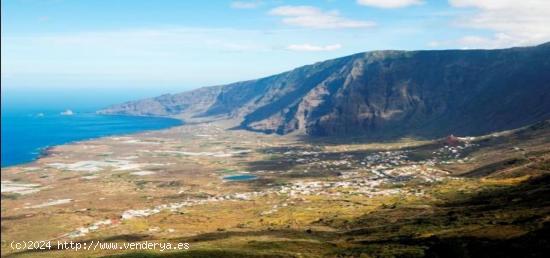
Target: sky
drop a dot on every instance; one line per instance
(92, 53)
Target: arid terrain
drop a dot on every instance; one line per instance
(301, 197)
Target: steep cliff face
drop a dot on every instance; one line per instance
(380, 94)
(185, 104)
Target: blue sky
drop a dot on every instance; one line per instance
(116, 50)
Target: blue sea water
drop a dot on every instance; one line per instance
(25, 133)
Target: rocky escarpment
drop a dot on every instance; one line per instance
(380, 94)
(190, 102)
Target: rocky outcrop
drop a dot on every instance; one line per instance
(380, 94)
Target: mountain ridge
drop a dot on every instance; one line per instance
(387, 93)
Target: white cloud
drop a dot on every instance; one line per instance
(514, 23)
(312, 17)
(389, 3)
(498, 40)
(245, 4)
(309, 47)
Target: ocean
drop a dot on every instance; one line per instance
(26, 133)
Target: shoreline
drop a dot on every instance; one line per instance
(45, 151)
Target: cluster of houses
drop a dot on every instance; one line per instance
(452, 153)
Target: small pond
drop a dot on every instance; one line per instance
(241, 177)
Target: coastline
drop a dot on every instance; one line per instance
(45, 151)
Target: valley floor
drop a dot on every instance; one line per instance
(456, 197)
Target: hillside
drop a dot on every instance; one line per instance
(383, 94)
